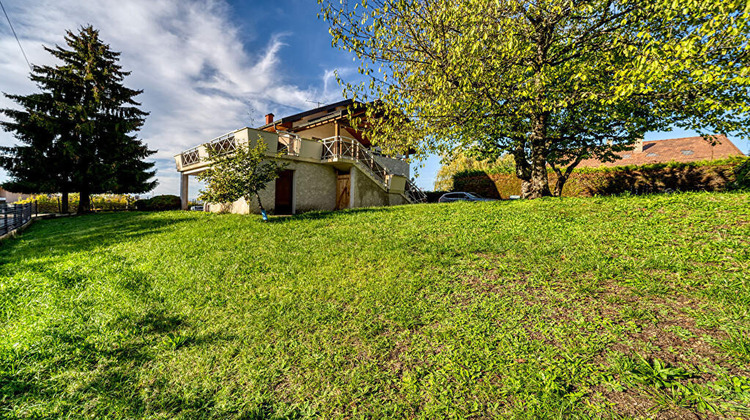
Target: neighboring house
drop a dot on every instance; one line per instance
(686, 149)
(330, 165)
(11, 197)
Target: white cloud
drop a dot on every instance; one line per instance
(199, 80)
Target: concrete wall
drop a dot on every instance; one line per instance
(394, 166)
(314, 188)
(366, 193)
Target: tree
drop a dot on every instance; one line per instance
(551, 81)
(77, 133)
(239, 174)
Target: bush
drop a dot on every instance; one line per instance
(716, 175)
(159, 203)
(741, 177)
(50, 203)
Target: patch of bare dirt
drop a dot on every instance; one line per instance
(633, 404)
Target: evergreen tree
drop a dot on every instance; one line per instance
(77, 134)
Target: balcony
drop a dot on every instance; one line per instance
(391, 174)
(345, 148)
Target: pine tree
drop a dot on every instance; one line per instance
(77, 134)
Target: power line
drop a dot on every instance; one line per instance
(14, 34)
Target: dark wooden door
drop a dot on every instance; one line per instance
(284, 193)
(343, 186)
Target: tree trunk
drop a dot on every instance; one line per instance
(562, 177)
(559, 184)
(523, 169)
(539, 181)
(262, 210)
(260, 205)
(84, 203)
(64, 202)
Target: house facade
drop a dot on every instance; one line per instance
(330, 165)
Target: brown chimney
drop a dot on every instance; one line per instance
(269, 118)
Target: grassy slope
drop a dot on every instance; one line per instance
(616, 306)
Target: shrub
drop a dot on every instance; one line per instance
(741, 177)
(50, 203)
(716, 175)
(159, 203)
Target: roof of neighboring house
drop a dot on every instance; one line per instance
(685, 149)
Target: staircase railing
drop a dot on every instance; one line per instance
(344, 147)
(414, 194)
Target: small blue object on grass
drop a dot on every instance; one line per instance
(265, 216)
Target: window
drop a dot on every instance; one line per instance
(652, 154)
(626, 155)
(687, 152)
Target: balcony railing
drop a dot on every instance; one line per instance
(348, 148)
(190, 157)
(289, 144)
(223, 145)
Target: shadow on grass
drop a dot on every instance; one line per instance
(324, 215)
(94, 361)
(106, 371)
(59, 237)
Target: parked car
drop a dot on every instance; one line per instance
(462, 196)
(198, 207)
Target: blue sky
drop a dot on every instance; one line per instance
(206, 67)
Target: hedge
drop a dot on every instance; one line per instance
(159, 203)
(717, 175)
(50, 203)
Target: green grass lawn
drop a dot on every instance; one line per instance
(600, 307)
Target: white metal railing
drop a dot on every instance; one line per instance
(349, 148)
(289, 144)
(190, 157)
(222, 145)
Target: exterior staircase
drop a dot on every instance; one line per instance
(344, 148)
